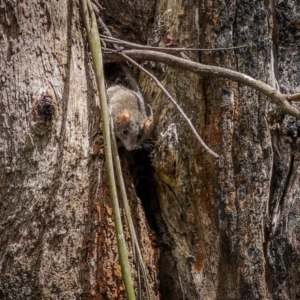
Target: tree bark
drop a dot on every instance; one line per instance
(57, 234)
(227, 222)
(206, 230)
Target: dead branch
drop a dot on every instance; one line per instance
(134, 46)
(276, 96)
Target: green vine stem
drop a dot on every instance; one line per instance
(95, 48)
(135, 244)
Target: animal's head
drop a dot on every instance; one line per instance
(132, 132)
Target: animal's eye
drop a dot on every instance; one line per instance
(125, 131)
(139, 136)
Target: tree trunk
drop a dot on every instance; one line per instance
(57, 234)
(208, 229)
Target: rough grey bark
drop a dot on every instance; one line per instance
(283, 235)
(57, 236)
(231, 229)
(225, 231)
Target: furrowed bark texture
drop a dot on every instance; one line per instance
(283, 251)
(227, 231)
(57, 235)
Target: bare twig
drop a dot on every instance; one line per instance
(96, 6)
(174, 102)
(131, 45)
(213, 71)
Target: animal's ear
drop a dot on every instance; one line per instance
(124, 117)
(148, 125)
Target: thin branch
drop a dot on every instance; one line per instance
(97, 7)
(131, 45)
(293, 97)
(213, 71)
(95, 48)
(174, 102)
